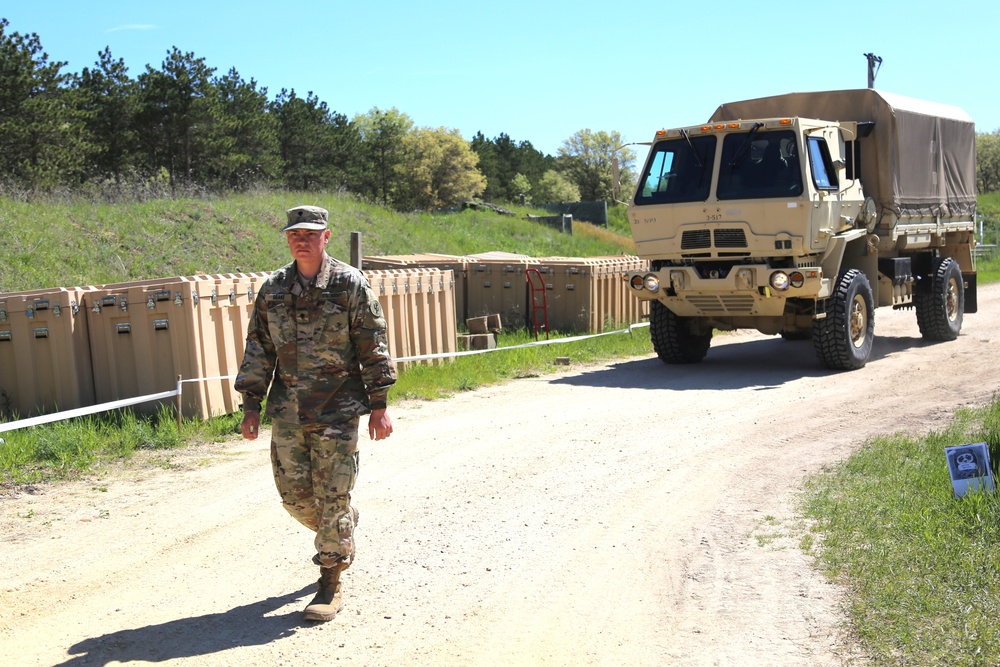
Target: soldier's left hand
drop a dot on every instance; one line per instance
(379, 425)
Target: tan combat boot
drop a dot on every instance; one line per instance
(329, 598)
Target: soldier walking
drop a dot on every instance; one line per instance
(317, 349)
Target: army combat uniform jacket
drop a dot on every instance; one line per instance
(326, 347)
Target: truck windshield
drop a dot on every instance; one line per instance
(768, 168)
(678, 170)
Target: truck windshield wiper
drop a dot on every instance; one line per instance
(697, 160)
(745, 146)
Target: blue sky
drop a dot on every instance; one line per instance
(542, 70)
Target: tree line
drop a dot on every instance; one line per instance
(185, 128)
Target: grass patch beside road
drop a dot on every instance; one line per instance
(922, 568)
(988, 270)
(68, 449)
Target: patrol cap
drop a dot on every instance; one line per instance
(306, 217)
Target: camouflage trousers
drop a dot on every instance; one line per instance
(315, 466)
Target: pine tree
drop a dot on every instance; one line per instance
(41, 133)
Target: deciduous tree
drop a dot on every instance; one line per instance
(554, 187)
(522, 185)
(586, 159)
(988, 161)
(438, 170)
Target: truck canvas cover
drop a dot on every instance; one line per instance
(918, 161)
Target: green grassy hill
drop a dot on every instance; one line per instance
(76, 243)
(66, 244)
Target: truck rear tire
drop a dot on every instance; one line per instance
(843, 339)
(941, 303)
(674, 339)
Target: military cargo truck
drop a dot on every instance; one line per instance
(800, 214)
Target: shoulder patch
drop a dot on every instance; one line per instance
(375, 307)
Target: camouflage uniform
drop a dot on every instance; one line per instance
(326, 346)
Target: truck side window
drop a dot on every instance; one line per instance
(677, 171)
(823, 172)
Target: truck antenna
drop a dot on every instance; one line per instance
(873, 60)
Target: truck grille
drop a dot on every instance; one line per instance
(730, 238)
(702, 238)
(736, 304)
(697, 239)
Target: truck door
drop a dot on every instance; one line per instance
(826, 182)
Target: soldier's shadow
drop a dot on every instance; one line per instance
(248, 625)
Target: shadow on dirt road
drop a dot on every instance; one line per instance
(757, 363)
(248, 625)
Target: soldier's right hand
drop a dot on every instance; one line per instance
(251, 425)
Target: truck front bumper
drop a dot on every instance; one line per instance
(742, 290)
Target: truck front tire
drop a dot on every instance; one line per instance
(941, 303)
(675, 339)
(843, 339)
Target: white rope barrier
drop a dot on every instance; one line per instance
(114, 405)
(537, 343)
(82, 412)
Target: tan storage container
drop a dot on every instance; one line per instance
(586, 294)
(140, 335)
(45, 364)
(567, 295)
(497, 284)
(419, 310)
(145, 334)
(231, 332)
(622, 307)
(392, 289)
(221, 317)
(457, 265)
(483, 296)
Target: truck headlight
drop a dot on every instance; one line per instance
(636, 282)
(651, 282)
(779, 280)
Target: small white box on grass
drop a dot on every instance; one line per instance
(969, 466)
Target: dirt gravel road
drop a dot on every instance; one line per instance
(626, 514)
